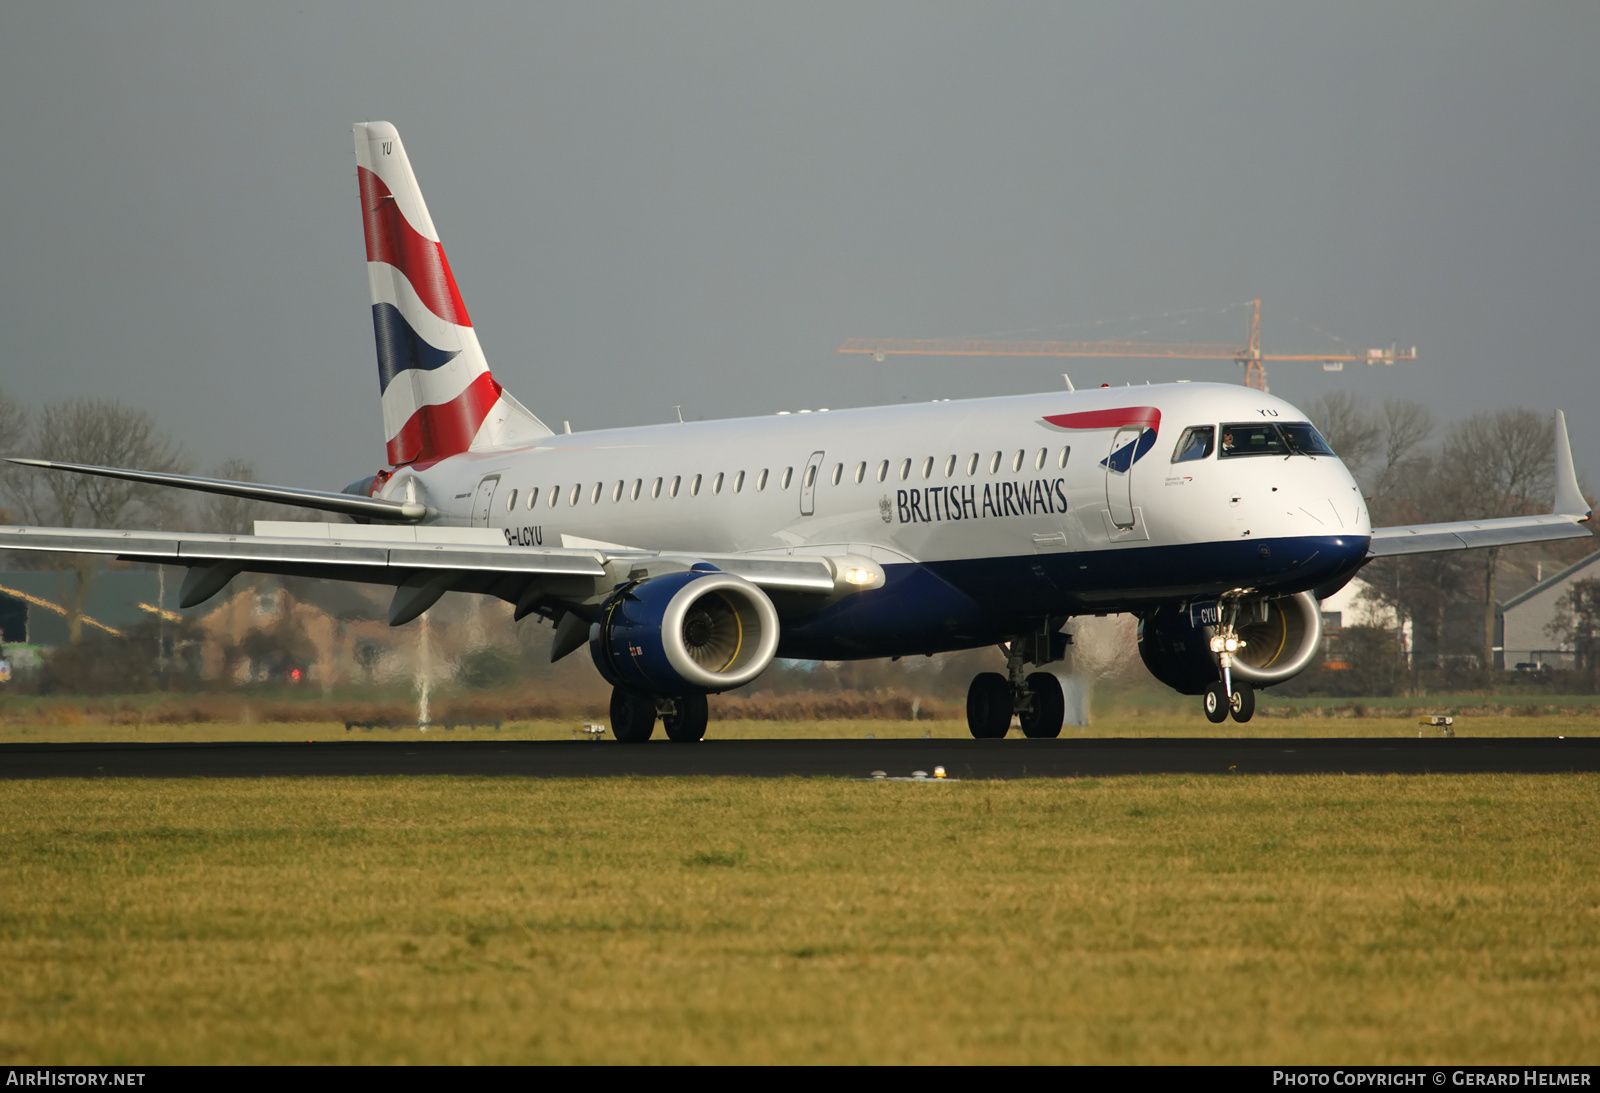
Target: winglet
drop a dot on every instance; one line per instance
(1569, 499)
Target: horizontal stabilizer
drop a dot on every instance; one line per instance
(370, 508)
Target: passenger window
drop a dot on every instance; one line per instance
(716, 483)
(1195, 443)
(883, 470)
(838, 472)
(738, 482)
(761, 480)
(861, 473)
(655, 489)
(594, 498)
(637, 484)
(555, 495)
(811, 476)
(533, 497)
(788, 476)
(927, 467)
(1016, 462)
(972, 465)
(694, 486)
(905, 470)
(994, 463)
(1061, 461)
(1038, 460)
(576, 495)
(616, 492)
(672, 490)
(950, 467)
(511, 500)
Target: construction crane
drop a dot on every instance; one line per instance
(1249, 356)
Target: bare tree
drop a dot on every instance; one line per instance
(1350, 426)
(14, 421)
(235, 515)
(1495, 465)
(1402, 462)
(1577, 623)
(105, 433)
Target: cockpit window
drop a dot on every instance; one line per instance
(1304, 438)
(1252, 438)
(1195, 443)
(1272, 438)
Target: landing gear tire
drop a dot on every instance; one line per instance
(1049, 710)
(687, 723)
(989, 706)
(633, 716)
(1242, 703)
(1216, 703)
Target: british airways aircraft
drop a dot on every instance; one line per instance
(688, 556)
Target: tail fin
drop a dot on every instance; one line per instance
(439, 398)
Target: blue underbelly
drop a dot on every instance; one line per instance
(939, 606)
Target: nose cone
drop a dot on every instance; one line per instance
(1344, 498)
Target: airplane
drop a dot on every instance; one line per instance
(687, 556)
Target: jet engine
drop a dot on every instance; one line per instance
(702, 631)
(1281, 638)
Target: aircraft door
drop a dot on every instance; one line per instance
(483, 500)
(1119, 476)
(808, 484)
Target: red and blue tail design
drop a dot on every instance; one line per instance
(439, 398)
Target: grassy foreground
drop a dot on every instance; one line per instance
(1171, 919)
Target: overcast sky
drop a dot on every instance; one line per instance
(651, 204)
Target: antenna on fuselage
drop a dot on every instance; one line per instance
(1066, 379)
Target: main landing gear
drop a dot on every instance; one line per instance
(633, 716)
(1035, 699)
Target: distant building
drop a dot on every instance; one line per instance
(1524, 620)
(1357, 604)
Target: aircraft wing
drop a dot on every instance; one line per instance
(424, 563)
(1568, 521)
(1471, 534)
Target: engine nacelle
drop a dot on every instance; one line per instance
(682, 633)
(1281, 639)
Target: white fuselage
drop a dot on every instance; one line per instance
(977, 491)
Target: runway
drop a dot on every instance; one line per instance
(964, 759)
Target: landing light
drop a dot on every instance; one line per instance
(1221, 644)
(859, 576)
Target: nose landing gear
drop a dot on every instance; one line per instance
(1219, 702)
(1229, 695)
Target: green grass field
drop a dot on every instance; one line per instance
(1172, 919)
